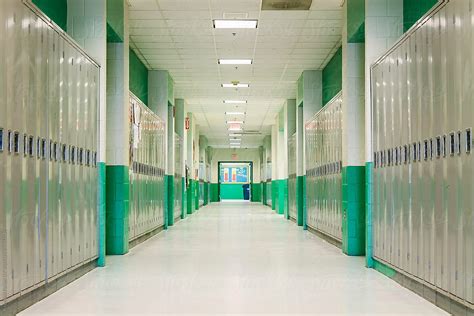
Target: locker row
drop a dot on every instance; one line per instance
(147, 176)
(147, 170)
(459, 143)
(292, 208)
(39, 149)
(422, 116)
(178, 183)
(325, 170)
(323, 137)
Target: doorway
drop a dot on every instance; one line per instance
(235, 180)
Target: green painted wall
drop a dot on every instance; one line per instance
(299, 199)
(191, 206)
(196, 194)
(138, 77)
(413, 10)
(353, 210)
(256, 192)
(115, 20)
(214, 192)
(305, 226)
(368, 215)
(101, 201)
(117, 209)
(356, 21)
(231, 191)
(275, 188)
(206, 193)
(170, 204)
(332, 77)
(283, 197)
(56, 10)
(184, 201)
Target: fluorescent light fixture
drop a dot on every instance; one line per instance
(235, 24)
(237, 85)
(235, 101)
(235, 122)
(236, 147)
(235, 113)
(235, 135)
(235, 140)
(235, 129)
(235, 61)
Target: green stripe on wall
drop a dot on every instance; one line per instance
(274, 194)
(369, 260)
(283, 197)
(353, 210)
(117, 209)
(256, 190)
(56, 10)
(230, 191)
(384, 269)
(332, 77)
(299, 200)
(138, 77)
(214, 192)
(170, 204)
(206, 193)
(413, 10)
(190, 192)
(305, 226)
(196, 194)
(356, 21)
(115, 17)
(101, 201)
(184, 202)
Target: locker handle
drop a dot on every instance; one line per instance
(16, 142)
(30, 146)
(468, 141)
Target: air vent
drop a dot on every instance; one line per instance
(286, 4)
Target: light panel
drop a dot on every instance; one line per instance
(236, 85)
(235, 61)
(235, 113)
(235, 101)
(235, 24)
(235, 122)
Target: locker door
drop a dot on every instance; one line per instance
(3, 183)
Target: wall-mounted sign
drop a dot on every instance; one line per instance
(187, 123)
(234, 156)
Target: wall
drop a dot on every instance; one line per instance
(138, 77)
(56, 10)
(332, 77)
(413, 10)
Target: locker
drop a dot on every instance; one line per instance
(422, 121)
(146, 170)
(292, 176)
(323, 136)
(36, 122)
(178, 175)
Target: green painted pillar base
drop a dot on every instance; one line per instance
(274, 194)
(369, 260)
(183, 198)
(196, 194)
(299, 199)
(283, 198)
(305, 211)
(166, 200)
(214, 192)
(170, 205)
(256, 190)
(264, 193)
(117, 209)
(190, 197)
(353, 210)
(206, 193)
(101, 196)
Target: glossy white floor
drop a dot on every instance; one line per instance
(234, 258)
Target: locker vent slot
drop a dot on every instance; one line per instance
(396, 156)
(468, 141)
(419, 151)
(452, 145)
(405, 154)
(63, 153)
(431, 148)
(38, 148)
(438, 147)
(81, 156)
(25, 145)
(31, 145)
(426, 150)
(73, 155)
(459, 143)
(1, 139)
(55, 149)
(51, 150)
(16, 142)
(443, 144)
(414, 152)
(43, 148)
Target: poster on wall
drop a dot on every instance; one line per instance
(235, 174)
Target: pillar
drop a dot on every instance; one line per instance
(384, 15)
(353, 132)
(118, 131)
(308, 102)
(180, 115)
(87, 25)
(161, 102)
(191, 204)
(274, 150)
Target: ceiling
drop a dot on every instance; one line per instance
(178, 36)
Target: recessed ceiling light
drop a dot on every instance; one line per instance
(237, 147)
(235, 140)
(235, 135)
(237, 85)
(235, 129)
(235, 24)
(234, 113)
(235, 101)
(235, 61)
(235, 122)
